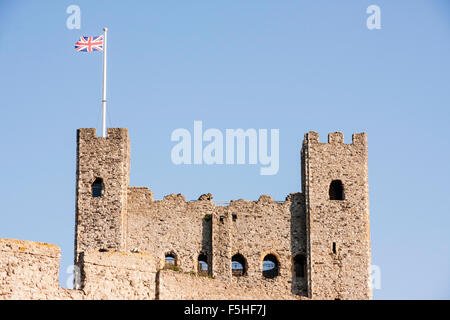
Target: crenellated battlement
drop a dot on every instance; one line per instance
(312, 137)
(145, 195)
(112, 134)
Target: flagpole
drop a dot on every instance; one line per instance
(104, 84)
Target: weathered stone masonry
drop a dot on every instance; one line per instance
(318, 238)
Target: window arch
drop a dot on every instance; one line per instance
(170, 260)
(336, 191)
(97, 188)
(238, 265)
(300, 266)
(271, 266)
(203, 266)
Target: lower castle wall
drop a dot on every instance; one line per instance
(29, 271)
(185, 286)
(117, 275)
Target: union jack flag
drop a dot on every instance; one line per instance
(89, 44)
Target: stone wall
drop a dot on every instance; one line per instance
(251, 228)
(117, 275)
(29, 270)
(255, 229)
(184, 286)
(171, 225)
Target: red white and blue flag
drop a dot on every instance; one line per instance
(89, 44)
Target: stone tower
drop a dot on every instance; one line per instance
(317, 240)
(335, 185)
(102, 179)
(313, 245)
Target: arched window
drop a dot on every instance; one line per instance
(300, 266)
(336, 190)
(271, 266)
(202, 266)
(97, 188)
(238, 265)
(170, 260)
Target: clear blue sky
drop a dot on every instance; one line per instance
(291, 65)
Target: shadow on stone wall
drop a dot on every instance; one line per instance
(298, 241)
(157, 282)
(207, 240)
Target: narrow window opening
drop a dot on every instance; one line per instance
(234, 217)
(202, 267)
(271, 266)
(170, 261)
(300, 266)
(221, 218)
(336, 191)
(334, 247)
(97, 188)
(238, 265)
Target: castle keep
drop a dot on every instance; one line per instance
(313, 245)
